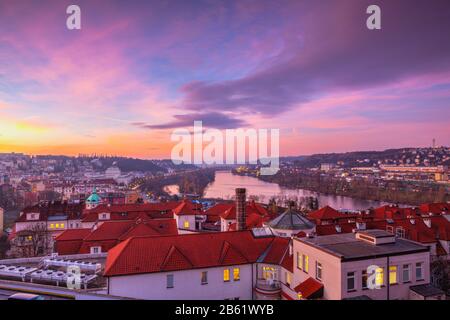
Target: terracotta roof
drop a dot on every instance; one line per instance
(187, 207)
(57, 208)
(436, 208)
(310, 289)
(327, 213)
(251, 208)
(153, 254)
(110, 233)
(277, 250)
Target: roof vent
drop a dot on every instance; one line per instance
(375, 237)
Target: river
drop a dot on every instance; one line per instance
(225, 183)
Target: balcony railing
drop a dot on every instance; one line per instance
(268, 285)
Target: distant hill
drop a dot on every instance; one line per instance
(425, 156)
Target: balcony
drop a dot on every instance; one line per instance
(268, 289)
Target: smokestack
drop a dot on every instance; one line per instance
(240, 208)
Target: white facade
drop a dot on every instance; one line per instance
(187, 284)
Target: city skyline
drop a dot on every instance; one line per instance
(135, 72)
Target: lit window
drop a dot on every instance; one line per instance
(169, 281)
(364, 279)
(350, 281)
(186, 225)
(288, 278)
(205, 277)
(318, 271)
(392, 274)
(406, 273)
(62, 225)
(419, 271)
(236, 274)
(379, 277)
(268, 273)
(52, 226)
(29, 238)
(305, 263)
(226, 275)
(57, 226)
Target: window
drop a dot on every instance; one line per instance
(299, 261)
(350, 281)
(419, 271)
(226, 275)
(186, 225)
(268, 273)
(205, 277)
(406, 277)
(169, 280)
(379, 277)
(236, 274)
(288, 278)
(52, 226)
(318, 271)
(57, 226)
(305, 263)
(62, 225)
(392, 274)
(96, 249)
(364, 279)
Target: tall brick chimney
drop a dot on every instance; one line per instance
(240, 208)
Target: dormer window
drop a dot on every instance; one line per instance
(103, 216)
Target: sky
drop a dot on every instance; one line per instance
(137, 70)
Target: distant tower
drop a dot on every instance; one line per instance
(434, 143)
(240, 208)
(94, 200)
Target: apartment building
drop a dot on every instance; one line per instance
(371, 264)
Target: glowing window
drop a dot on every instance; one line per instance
(52, 226)
(186, 224)
(226, 275)
(57, 225)
(268, 273)
(379, 277)
(392, 274)
(62, 225)
(236, 274)
(288, 278)
(305, 263)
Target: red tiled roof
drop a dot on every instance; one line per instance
(277, 250)
(436, 208)
(310, 288)
(57, 208)
(151, 254)
(187, 207)
(108, 234)
(288, 262)
(251, 208)
(73, 234)
(326, 213)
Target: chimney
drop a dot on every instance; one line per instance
(240, 209)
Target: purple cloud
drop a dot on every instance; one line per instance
(212, 120)
(338, 53)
